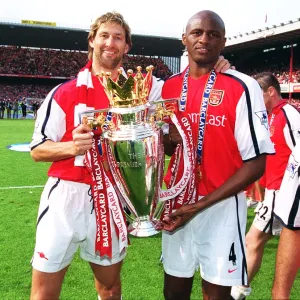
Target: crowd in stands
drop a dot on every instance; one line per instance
(282, 75)
(41, 62)
(60, 63)
(15, 91)
(295, 102)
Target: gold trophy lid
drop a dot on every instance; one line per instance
(127, 92)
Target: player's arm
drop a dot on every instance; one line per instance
(249, 172)
(50, 128)
(292, 127)
(53, 151)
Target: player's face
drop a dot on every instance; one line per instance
(204, 40)
(268, 96)
(109, 46)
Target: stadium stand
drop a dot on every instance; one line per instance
(31, 67)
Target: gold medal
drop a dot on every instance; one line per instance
(199, 173)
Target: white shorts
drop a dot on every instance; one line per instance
(265, 220)
(287, 205)
(66, 221)
(214, 240)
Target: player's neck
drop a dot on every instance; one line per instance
(275, 102)
(197, 70)
(96, 68)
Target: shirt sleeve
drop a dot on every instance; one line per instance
(251, 127)
(50, 123)
(156, 89)
(291, 129)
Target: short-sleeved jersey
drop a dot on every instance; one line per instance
(59, 116)
(287, 202)
(236, 126)
(284, 123)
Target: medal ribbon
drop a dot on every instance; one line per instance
(184, 90)
(203, 114)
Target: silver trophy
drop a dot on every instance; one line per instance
(132, 138)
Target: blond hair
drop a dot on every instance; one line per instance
(110, 17)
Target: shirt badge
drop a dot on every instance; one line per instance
(216, 97)
(292, 168)
(263, 116)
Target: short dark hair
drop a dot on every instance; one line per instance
(267, 79)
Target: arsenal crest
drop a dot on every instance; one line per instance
(216, 97)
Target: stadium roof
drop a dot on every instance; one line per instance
(265, 37)
(76, 39)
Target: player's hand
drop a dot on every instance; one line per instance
(222, 65)
(179, 218)
(174, 135)
(171, 140)
(82, 139)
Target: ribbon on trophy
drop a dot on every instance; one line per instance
(106, 203)
(185, 154)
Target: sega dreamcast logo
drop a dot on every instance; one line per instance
(25, 147)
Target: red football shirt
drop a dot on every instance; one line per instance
(237, 127)
(284, 123)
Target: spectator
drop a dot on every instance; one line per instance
(24, 108)
(15, 109)
(2, 108)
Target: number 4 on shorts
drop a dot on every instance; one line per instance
(232, 256)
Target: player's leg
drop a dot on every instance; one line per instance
(176, 288)
(260, 232)
(264, 225)
(57, 239)
(106, 270)
(213, 291)
(287, 263)
(255, 244)
(179, 263)
(220, 247)
(108, 281)
(46, 285)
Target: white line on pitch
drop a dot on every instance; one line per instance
(21, 187)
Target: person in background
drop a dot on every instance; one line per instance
(2, 108)
(287, 211)
(15, 109)
(9, 106)
(24, 108)
(284, 122)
